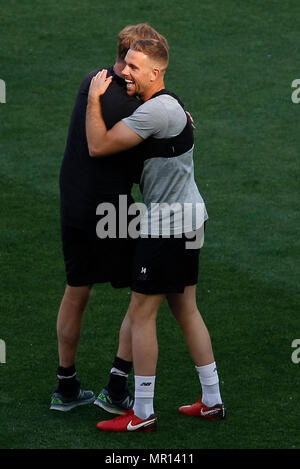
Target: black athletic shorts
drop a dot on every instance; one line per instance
(89, 259)
(164, 265)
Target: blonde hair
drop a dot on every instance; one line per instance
(133, 33)
(155, 49)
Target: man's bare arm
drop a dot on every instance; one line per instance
(100, 140)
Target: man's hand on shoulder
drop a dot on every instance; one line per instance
(99, 85)
(100, 140)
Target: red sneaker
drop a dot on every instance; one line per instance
(217, 412)
(128, 423)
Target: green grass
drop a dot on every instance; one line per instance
(233, 65)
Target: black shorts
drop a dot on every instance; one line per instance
(89, 259)
(164, 265)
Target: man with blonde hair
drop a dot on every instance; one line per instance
(131, 34)
(84, 184)
(164, 265)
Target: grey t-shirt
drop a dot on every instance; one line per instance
(171, 197)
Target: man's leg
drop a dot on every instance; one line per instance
(115, 397)
(184, 308)
(69, 321)
(68, 393)
(124, 348)
(142, 313)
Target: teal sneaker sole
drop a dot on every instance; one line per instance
(112, 409)
(105, 402)
(58, 404)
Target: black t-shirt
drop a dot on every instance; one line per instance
(85, 181)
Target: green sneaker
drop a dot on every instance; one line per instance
(113, 406)
(60, 402)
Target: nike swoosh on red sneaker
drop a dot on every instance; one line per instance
(209, 412)
(131, 427)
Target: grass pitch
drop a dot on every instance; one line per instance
(233, 65)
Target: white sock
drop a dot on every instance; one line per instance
(143, 396)
(209, 380)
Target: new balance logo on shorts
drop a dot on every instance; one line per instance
(145, 384)
(143, 274)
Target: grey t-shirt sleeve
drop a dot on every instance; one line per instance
(161, 117)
